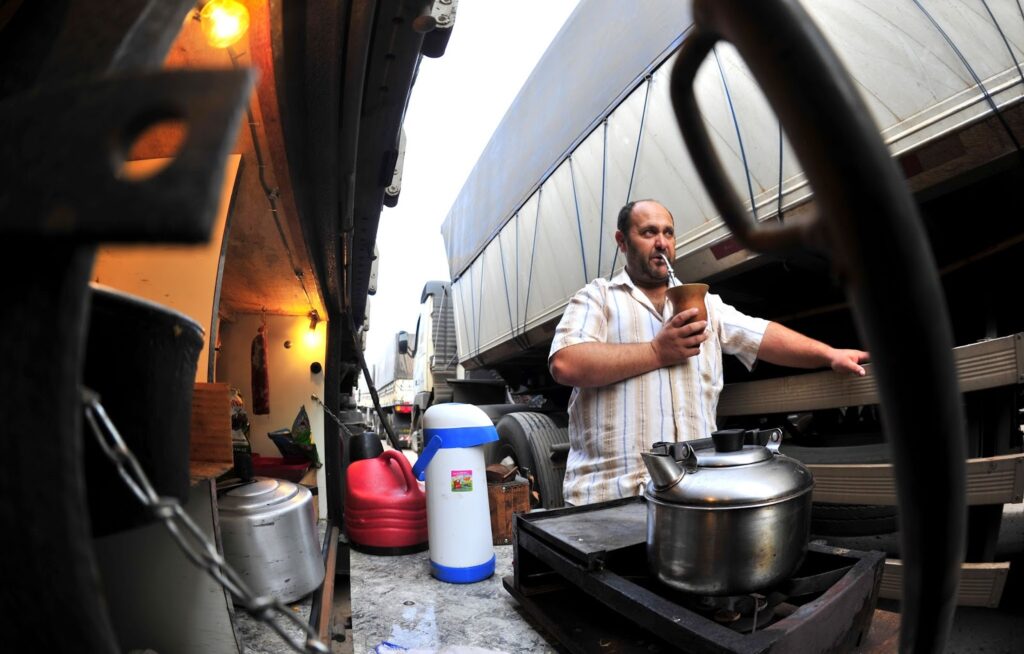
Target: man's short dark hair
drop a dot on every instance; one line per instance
(627, 211)
(624, 213)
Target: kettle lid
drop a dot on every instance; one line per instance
(260, 495)
(728, 447)
(733, 468)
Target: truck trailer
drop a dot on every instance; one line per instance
(394, 383)
(940, 87)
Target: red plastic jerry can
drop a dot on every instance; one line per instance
(385, 510)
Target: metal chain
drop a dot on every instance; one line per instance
(323, 406)
(192, 541)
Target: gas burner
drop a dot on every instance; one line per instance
(742, 613)
(582, 573)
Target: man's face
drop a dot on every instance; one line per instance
(651, 233)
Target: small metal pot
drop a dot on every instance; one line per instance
(726, 515)
(270, 537)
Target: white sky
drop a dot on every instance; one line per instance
(456, 103)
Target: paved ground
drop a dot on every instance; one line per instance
(975, 630)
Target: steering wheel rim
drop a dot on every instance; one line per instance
(869, 224)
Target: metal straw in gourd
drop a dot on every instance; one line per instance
(672, 279)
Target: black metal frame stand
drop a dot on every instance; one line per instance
(592, 599)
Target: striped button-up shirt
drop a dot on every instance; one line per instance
(611, 425)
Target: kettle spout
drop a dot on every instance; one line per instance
(665, 471)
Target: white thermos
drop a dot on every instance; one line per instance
(458, 515)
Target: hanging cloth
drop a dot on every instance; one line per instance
(260, 373)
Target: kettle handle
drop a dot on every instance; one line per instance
(403, 464)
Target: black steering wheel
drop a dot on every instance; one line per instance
(868, 223)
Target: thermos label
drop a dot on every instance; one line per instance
(462, 481)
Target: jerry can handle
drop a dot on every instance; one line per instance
(403, 464)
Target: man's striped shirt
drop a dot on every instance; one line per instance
(610, 426)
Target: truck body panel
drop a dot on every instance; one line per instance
(520, 248)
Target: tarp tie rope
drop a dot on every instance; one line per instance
(636, 157)
(533, 251)
(504, 278)
(970, 69)
(579, 221)
(739, 137)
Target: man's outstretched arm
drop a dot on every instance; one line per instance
(785, 347)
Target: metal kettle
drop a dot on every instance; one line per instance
(726, 515)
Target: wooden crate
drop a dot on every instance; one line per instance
(505, 499)
(210, 450)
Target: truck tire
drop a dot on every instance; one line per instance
(829, 519)
(852, 519)
(528, 438)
